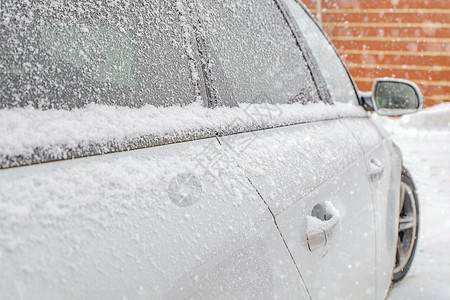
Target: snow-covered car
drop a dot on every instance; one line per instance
(194, 149)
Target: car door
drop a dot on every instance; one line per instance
(146, 223)
(161, 216)
(382, 159)
(384, 170)
(305, 164)
(305, 172)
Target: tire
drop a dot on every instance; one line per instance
(408, 227)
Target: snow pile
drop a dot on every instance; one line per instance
(424, 139)
(433, 118)
(23, 130)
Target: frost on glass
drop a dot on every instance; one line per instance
(257, 51)
(66, 54)
(334, 73)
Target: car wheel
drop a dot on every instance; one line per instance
(408, 227)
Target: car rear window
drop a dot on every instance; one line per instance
(66, 54)
(258, 52)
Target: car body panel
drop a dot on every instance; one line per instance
(374, 140)
(287, 163)
(137, 224)
(377, 145)
(259, 269)
(296, 167)
(345, 267)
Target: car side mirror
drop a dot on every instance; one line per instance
(395, 97)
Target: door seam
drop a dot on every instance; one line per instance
(282, 237)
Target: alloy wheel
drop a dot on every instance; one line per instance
(407, 227)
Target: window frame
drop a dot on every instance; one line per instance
(202, 55)
(47, 153)
(305, 51)
(306, 10)
(302, 44)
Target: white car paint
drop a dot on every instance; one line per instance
(311, 164)
(110, 227)
(382, 158)
(377, 145)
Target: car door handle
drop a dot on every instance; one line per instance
(376, 169)
(321, 225)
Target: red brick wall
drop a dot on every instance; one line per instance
(395, 38)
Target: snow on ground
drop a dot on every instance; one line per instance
(425, 141)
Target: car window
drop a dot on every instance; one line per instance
(258, 52)
(331, 67)
(68, 54)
